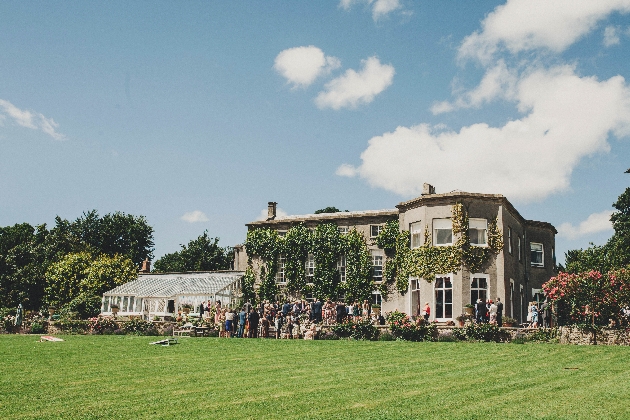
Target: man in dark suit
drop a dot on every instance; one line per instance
(316, 308)
(499, 312)
(341, 312)
(481, 311)
(254, 318)
(286, 308)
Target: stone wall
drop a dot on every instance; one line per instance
(611, 337)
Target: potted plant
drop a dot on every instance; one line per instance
(508, 321)
(376, 309)
(114, 308)
(470, 309)
(462, 319)
(186, 307)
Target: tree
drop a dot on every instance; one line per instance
(328, 210)
(615, 254)
(201, 254)
(114, 233)
(22, 265)
(78, 281)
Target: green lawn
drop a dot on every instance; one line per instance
(125, 377)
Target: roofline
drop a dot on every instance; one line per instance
(500, 198)
(191, 272)
(325, 216)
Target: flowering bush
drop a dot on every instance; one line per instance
(590, 297)
(139, 327)
(102, 325)
(362, 330)
(481, 332)
(403, 328)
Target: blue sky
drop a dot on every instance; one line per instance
(195, 114)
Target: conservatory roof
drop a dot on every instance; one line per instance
(175, 284)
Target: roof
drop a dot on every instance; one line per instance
(326, 216)
(174, 284)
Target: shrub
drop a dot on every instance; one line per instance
(73, 326)
(486, 332)
(102, 325)
(328, 335)
(138, 327)
(403, 328)
(386, 336)
(362, 330)
(37, 328)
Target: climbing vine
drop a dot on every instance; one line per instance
(427, 260)
(326, 249)
(327, 246)
(295, 247)
(359, 282)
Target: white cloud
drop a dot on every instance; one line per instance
(264, 213)
(355, 88)
(596, 222)
(380, 8)
(498, 82)
(302, 65)
(522, 25)
(611, 36)
(567, 117)
(29, 119)
(195, 217)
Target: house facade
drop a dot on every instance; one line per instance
(514, 272)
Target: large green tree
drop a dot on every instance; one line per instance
(78, 280)
(201, 254)
(26, 252)
(615, 254)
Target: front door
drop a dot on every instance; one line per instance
(443, 298)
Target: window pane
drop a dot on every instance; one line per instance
(443, 236)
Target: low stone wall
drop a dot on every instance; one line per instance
(605, 336)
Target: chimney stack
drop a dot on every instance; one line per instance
(271, 210)
(428, 189)
(146, 266)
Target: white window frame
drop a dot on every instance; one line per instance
(378, 230)
(542, 254)
(440, 224)
(309, 268)
(415, 231)
(280, 279)
(443, 289)
(486, 277)
(376, 299)
(479, 224)
(510, 240)
(520, 254)
(341, 266)
(512, 290)
(377, 261)
(343, 230)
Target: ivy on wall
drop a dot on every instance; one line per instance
(427, 260)
(327, 246)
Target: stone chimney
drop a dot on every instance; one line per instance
(146, 266)
(428, 189)
(271, 210)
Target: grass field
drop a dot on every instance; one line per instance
(124, 377)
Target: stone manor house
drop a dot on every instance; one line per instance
(515, 274)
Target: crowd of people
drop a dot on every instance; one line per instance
(489, 312)
(297, 319)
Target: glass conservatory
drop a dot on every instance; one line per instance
(160, 295)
